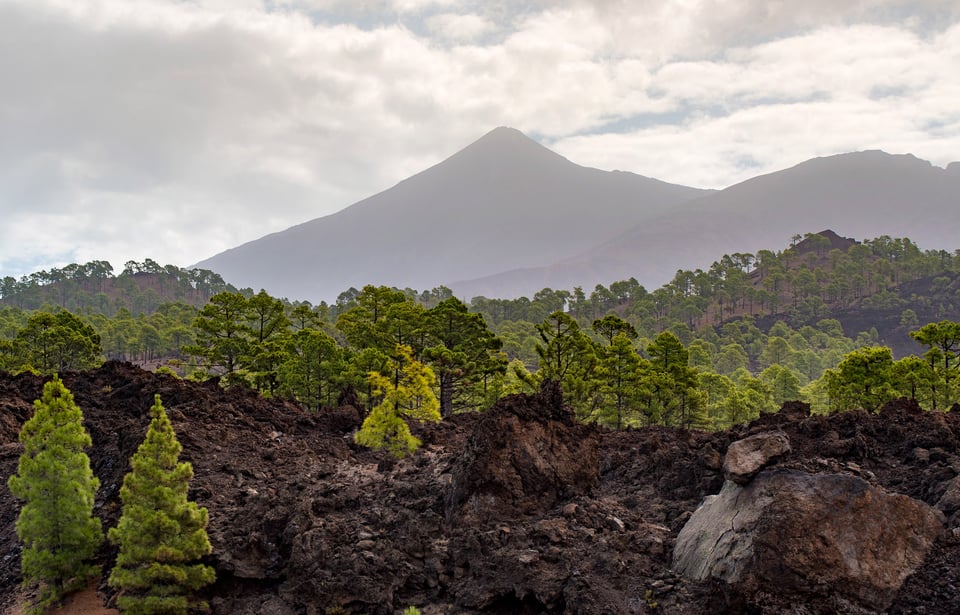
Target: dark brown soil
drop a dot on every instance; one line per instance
(518, 510)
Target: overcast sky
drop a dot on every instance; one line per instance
(174, 130)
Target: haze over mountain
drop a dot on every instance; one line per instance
(506, 217)
(862, 194)
(502, 201)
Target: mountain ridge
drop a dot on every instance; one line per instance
(501, 200)
(506, 216)
(866, 194)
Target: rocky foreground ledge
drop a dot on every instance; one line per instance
(522, 510)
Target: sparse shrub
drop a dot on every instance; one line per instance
(163, 369)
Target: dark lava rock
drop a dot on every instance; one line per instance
(568, 519)
(526, 455)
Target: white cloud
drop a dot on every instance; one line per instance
(411, 6)
(173, 130)
(459, 28)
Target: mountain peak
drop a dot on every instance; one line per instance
(833, 241)
(502, 201)
(870, 158)
(505, 143)
(504, 132)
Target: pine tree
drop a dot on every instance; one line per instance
(464, 354)
(160, 534)
(412, 396)
(54, 479)
(863, 379)
(620, 377)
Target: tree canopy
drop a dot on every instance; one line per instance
(161, 534)
(60, 535)
(409, 395)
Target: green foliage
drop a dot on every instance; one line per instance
(408, 395)
(268, 326)
(56, 524)
(310, 366)
(370, 322)
(93, 287)
(621, 386)
(464, 354)
(863, 379)
(161, 534)
(783, 384)
(652, 604)
(730, 358)
(568, 356)
(815, 393)
(166, 370)
(359, 364)
(673, 398)
(612, 325)
(945, 337)
(411, 610)
(56, 343)
(222, 334)
(918, 380)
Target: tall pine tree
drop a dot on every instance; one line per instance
(161, 535)
(57, 526)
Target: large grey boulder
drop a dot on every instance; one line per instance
(792, 533)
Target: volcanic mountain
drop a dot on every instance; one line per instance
(502, 202)
(861, 194)
(506, 217)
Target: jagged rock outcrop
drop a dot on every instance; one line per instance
(792, 533)
(525, 456)
(745, 458)
(949, 502)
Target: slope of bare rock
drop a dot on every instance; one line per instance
(585, 521)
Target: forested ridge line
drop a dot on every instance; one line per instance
(709, 349)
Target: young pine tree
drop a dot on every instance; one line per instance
(56, 524)
(411, 397)
(161, 535)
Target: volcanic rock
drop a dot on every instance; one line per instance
(526, 455)
(748, 456)
(302, 520)
(949, 502)
(792, 533)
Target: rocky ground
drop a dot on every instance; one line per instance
(518, 510)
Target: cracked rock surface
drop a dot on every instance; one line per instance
(793, 533)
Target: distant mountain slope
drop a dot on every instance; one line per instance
(502, 202)
(864, 194)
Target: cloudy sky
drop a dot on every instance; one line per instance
(176, 129)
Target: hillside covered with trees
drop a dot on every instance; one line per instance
(94, 287)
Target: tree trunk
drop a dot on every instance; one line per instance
(446, 395)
